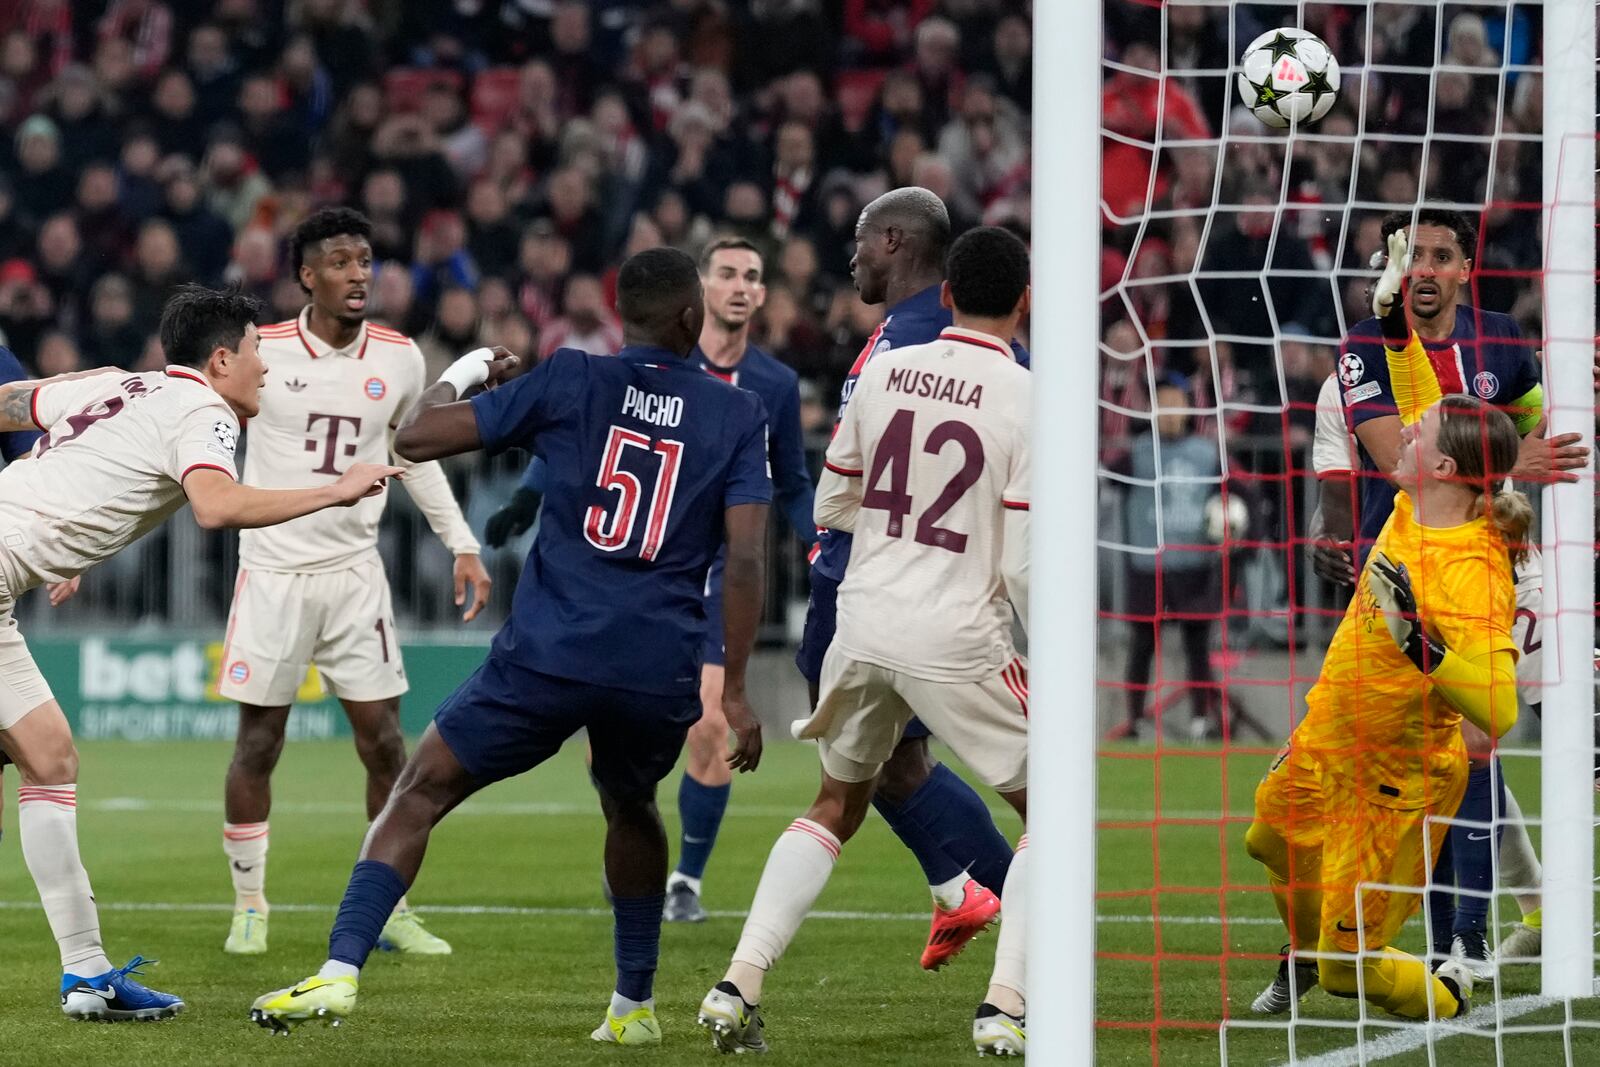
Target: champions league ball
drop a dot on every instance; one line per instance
(1288, 76)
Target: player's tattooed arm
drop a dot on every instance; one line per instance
(16, 406)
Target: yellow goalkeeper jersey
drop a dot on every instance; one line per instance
(1373, 721)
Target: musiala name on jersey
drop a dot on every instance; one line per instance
(956, 391)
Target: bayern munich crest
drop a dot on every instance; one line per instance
(1485, 384)
(239, 672)
(375, 388)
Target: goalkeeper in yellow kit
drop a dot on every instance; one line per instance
(1426, 640)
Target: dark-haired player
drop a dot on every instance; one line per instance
(315, 590)
(930, 470)
(902, 239)
(731, 272)
(1480, 353)
(120, 453)
(653, 467)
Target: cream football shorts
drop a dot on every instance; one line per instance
(22, 687)
(281, 623)
(863, 708)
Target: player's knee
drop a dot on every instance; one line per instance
(906, 771)
(710, 733)
(1338, 977)
(1265, 845)
(382, 748)
(52, 761)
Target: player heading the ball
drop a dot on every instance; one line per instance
(121, 453)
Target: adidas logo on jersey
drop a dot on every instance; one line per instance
(295, 385)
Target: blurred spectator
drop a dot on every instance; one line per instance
(878, 32)
(934, 62)
(205, 239)
(1299, 304)
(111, 338)
(138, 191)
(1012, 62)
(63, 269)
(986, 147)
(585, 322)
(793, 189)
(269, 137)
(47, 23)
(492, 238)
(254, 267)
(215, 73)
(233, 183)
(393, 298)
(441, 259)
(342, 48)
(27, 309)
(508, 166)
(107, 233)
(567, 205)
(383, 201)
(113, 67)
(177, 124)
(408, 145)
(538, 115)
(43, 186)
(88, 132)
(544, 258)
(577, 72)
(463, 144)
(454, 332)
(307, 85)
(14, 238)
(146, 25)
(157, 270)
(57, 353)
(349, 137)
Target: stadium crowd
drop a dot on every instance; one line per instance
(510, 155)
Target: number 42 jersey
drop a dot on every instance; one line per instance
(644, 452)
(936, 443)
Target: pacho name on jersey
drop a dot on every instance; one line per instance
(652, 407)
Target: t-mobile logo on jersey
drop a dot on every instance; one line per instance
(328, 440)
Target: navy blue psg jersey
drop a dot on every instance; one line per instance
(778, 386)
(17, 442)
(643, 452)
(1485, 356)
(916, 320)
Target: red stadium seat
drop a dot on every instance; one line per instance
(855, 92)
(494, 97)
(403, 87)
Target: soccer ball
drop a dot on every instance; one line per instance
(1226, 521)
(1288, 76)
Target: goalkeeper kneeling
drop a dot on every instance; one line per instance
(1425, 642)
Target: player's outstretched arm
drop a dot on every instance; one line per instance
(16, 398)
(441, 423)
(744, 590)
(219, 502)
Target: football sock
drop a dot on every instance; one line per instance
(368, 902)
(1442, 898)
(798, 867)
(637, 943)
(621, 1005)
(1519, 863)
(1008, 987)
(1474, 846)
(950, 894)
(245, 845)
(700, 808)
(1394, 981)
(47, 819)
(947, 826)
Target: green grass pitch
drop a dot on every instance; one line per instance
(532, 968)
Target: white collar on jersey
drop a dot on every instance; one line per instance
(979, 338)
(174, 370)
(318, 348)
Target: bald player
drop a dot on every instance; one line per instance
(902, 240)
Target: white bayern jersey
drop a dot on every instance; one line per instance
(936, 441)
(109, 469)
(322, 410)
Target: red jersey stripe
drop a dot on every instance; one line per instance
(952, 333)
(846, 471)
(202, 466)
(1015, 505)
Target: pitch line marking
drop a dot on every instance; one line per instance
(597, 913)
(1399, 1042)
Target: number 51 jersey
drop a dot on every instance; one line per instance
(939, 436)
(644, 452)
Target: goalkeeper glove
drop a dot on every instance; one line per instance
(512, 520)
(1386, 302)
(1391, 587)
